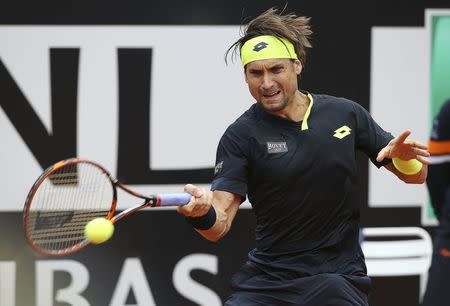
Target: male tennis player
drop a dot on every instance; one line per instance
(293, 154)
(438, 183)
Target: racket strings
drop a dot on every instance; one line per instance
(65, 202)
(56, 220)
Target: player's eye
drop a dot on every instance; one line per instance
(255, 73)
(277, 69)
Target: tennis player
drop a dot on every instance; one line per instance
(438, 182)
(293, 154)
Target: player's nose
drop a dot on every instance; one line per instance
(267, 83)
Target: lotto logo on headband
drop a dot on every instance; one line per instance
(266, 47)
(259, 46)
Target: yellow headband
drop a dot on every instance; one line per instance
(266, 47)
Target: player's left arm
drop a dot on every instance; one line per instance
(405, 149)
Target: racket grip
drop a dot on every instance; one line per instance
(174, 199)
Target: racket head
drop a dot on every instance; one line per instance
(64, 198)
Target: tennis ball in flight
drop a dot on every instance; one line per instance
(98, 230)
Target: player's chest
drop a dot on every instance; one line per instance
(329, 148)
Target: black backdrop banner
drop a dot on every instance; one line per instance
(154, 256)
(160, 244)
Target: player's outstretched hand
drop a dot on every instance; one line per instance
(199, 204)
(405, 149)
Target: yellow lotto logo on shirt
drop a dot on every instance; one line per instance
(342, 132)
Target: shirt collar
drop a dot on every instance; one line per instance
(308, 112)
(302, 125)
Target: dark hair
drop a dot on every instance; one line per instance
(294, 28)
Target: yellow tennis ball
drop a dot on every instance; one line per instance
(408, 167)
(98, 230)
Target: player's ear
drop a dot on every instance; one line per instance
(298, 67)
(245, 74)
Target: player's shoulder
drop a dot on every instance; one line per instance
(238, 134)
(335, 103)
(245, 124)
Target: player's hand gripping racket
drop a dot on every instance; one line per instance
(71, 193)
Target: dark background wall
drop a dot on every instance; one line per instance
(339, 64)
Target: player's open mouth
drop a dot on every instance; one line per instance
(271, 94)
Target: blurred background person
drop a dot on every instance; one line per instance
(438, 183)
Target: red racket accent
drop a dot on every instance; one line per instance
(67, 196)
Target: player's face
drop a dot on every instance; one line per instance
(273, 82)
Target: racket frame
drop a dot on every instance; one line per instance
(149, 201)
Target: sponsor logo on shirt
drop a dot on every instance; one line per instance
(276, 147)
(342, 132)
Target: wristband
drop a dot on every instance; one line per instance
(408, 167)
(203, 222)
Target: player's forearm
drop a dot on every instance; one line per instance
(418, 178)
(226, 206)
(219, 229)
(422, 175)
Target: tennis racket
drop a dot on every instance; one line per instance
(71, 193)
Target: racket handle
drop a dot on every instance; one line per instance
(174, 199)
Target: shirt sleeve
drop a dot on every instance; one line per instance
(231, 170)
(370, 137)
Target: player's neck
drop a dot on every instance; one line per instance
(295, 110)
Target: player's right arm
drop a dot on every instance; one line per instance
(225, 205)
(211, 213)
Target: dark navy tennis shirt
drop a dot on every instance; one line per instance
(301, 180)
